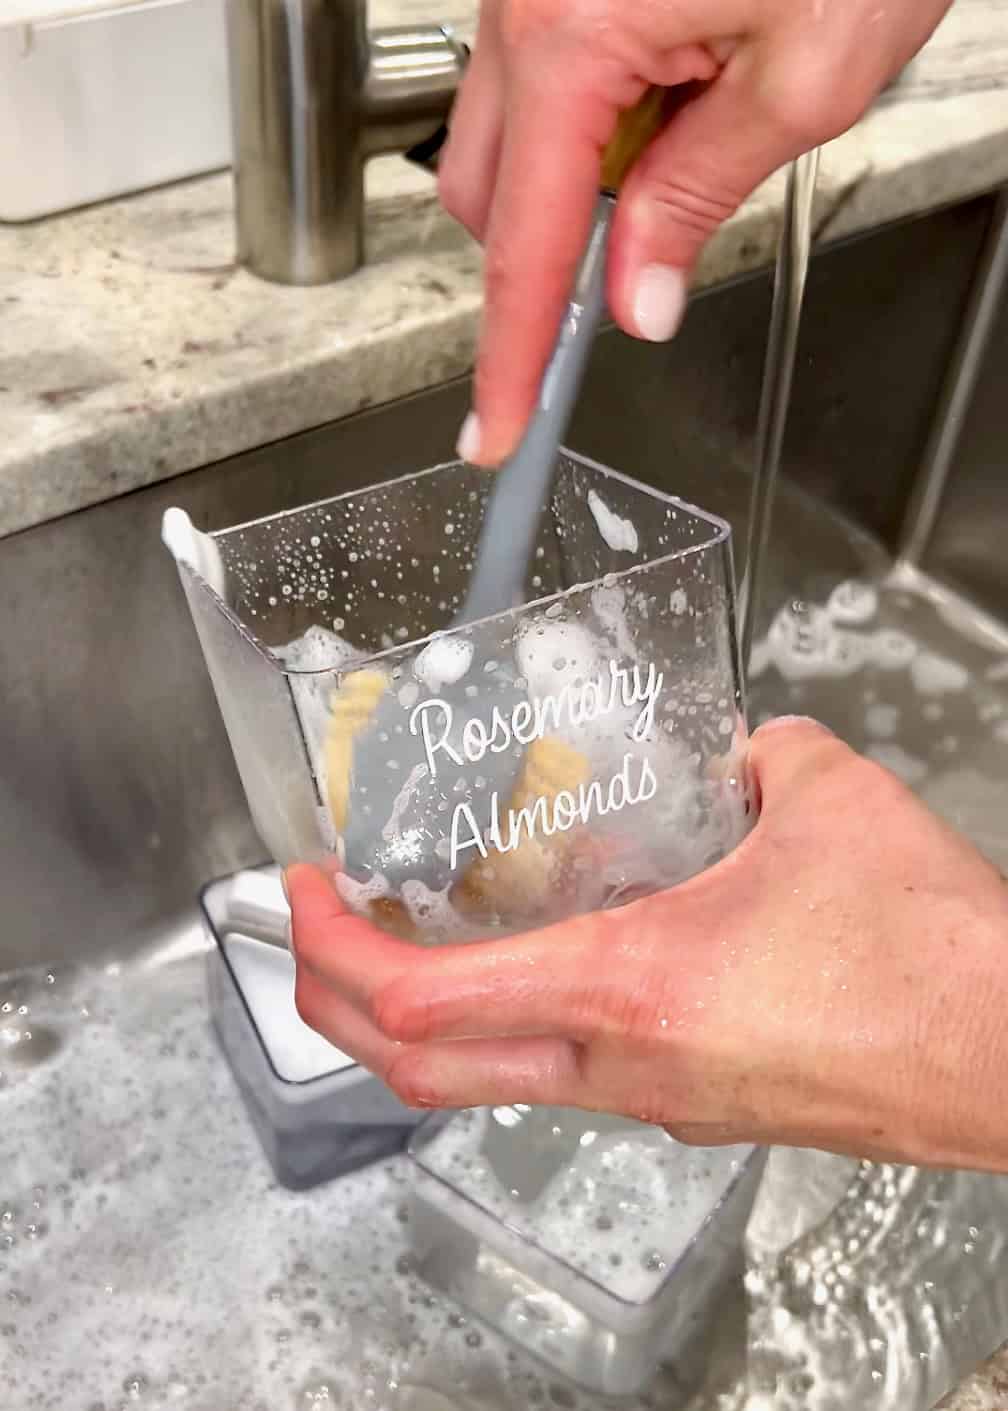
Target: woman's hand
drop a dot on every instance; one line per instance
(839, 981)
(767, 80)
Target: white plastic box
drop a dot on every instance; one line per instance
(100, 98)
(318, 1115)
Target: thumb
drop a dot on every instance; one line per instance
(713, 153)
(786, 753)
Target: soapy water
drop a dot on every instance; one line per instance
(148, 1260)
(924, 695)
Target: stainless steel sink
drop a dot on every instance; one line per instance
(185, 1277)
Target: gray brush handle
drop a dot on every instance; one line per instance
(521, 486)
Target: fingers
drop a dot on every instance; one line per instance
(487, 1072)
(573, 981)
(469, 1073)
(541, 984)
(714, 152)
(537, 984)
(346, 950)
(571, 984)
(547, 185)
(467, 171)
(788, 752)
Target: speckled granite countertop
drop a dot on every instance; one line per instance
(134, 349)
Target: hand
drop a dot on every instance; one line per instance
(839, 981)
(767, 80)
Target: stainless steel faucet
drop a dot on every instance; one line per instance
(313, 96)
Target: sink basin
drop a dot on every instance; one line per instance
(147, 1256)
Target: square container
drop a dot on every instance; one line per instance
(600, 1246)
(316, 1112)
(620, 661)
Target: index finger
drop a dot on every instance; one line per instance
(537, 978)
(547, 186)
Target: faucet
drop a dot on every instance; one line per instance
(314, 95)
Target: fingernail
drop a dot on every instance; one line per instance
(659, 302)
(468, 443)
(283, 883)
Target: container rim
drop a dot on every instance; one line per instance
(220, 934)
(720, 537)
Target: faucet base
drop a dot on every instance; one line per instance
(313, 96)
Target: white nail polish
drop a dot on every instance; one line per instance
(468, 443)
(659, 302)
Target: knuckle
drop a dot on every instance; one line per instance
(806, 107)
(522, 22)
(874, 782)
(694, 205)
(405, 1075)
(632, 1006)
(396, 1014)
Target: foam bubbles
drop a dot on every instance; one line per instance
(882, 721)
(552, 655)
(620, 535)
(318, 649)
(852, 603)
(172, 1270)
(893, 650)
(934, 675)
(443, 662)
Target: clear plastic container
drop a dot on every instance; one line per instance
(579, 748)
(600, 1246)
(316, 1112)
(582, 747)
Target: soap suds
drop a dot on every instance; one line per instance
(934, 675)
(443, 662)
(619, 534)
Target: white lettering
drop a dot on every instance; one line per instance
(500, 737)
(464, 814)
(523, 723)
(474, 740)
(619, 788)
(527, 818)
(590, 801)
(528, 721)
(419, 722)
(557, 814)
(565, 811)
